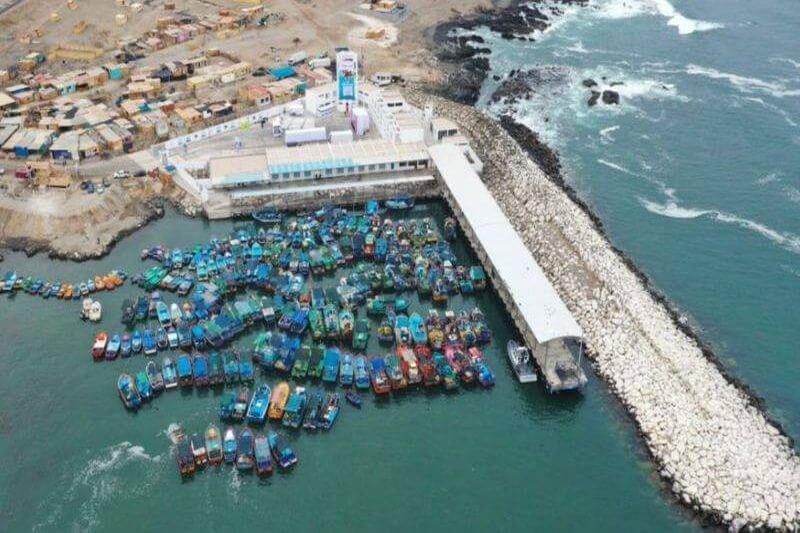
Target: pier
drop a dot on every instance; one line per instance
(546, 325)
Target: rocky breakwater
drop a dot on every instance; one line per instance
(715, 448)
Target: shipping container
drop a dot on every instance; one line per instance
(306, 135)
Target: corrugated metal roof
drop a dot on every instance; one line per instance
(537, 301)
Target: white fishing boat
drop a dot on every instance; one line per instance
(521, 362)
(95, 311)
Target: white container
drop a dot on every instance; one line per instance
(295, 109)
(320, 62)
(296, 59)
(359, 120)
(306, 135)
(341, 137)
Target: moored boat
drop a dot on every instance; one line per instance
(257, 411)
(378, 376)
(277, 402)
(521, 362)
(170, 373)
(361, 372)
(128, 393)
(281, 451)
(112, 349)
(241, 404)
(330, 410)
(143, 386)
(245, 459)
(346, 372)
(214, 445)
(99, 346)
(184, 457)
(154, 376)
(185, 370)
(353, 398)
(295, 408)
(229, 446)
(330, 365)
(198, 445)
(263, 456)
(394, 371)
(200, 370)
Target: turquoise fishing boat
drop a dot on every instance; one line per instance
(346, 373)
(330, 365)
(295, 408)
(257, 411)
(417, 327)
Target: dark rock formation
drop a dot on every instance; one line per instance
(610, 97)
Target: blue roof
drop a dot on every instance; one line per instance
(326, 164)
(280, 73)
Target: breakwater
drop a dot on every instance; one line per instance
(712, 444)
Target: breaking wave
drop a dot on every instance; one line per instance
(685, 25)
(782, 112)
(744, 84)
(671, 209)
(605, 133)
(622, 9)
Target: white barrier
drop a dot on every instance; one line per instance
(236, 124)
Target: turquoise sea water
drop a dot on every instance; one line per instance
(509, 458)
(696, 175)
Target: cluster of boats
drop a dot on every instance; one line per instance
(247, 450)
(12, 282)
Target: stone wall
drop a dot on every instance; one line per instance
(710, 441)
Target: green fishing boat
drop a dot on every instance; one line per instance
(300, 367)
(331, 322)
(316, 324)
(315, 362)
(361, 334)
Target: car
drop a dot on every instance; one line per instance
(122, 174)
(100, 189)
(260, 71)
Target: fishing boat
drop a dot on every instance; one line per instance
(315, 364)
(185, 378)
(172, 338)
(214, 445)
(198, 445)
(241, 404)
(245, 459)
(330, 365)
(200, 370)
(378, 376)
(361, 372)
(128, 312)
(141, 309)
(448, 375)
(330, 410)
(143, 386)
(316, 324)
(450, 228)
(484, 374)
(246, 374)
(170, 373)
(136, 341)
(385, 332)
(361, 334)
(346, 370)
(409, 364)
(125, 345)
(417, 326)
(175, 433)
(277, 402)
(430, 377)
(263, 456)
(346, 325)
(184, 336)
(295, 408)
(95, 312)
(162, 313)
(226, 406)
(229, 446)
(112, 349)
(184, 457)
(281, 451)
(315, 404)
(154, 376)
(521, 362)
(402, 333)
(257, 411)
(162, 342)
(99, 346)
(216, 369)
(353, 398)
(300, 367)
(400, 203)
(394, 370)
(231, 367)
(331, 320)
(128, 393)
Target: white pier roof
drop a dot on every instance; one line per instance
(537, 301)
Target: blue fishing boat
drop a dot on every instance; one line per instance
(353, 398)
(112, 350)
(154, 376)
(361, 372)
(200, 370)
(226, 405)
(245, 459)
(346, 374)
(257, 411)
(330, 365)
(136, 341)
(172, 337)
(198, 337)
(231, 367)
(128, 393)
(400, 203)
(162, 313)
(330, 410)
(295, 408)
(229, 446)
(402, 331)
(281, 451)
(170, 373)
(162, 342)
(185, 370)
(184, 336)
(484, 373)
(143, 386)
(378, 376)
(417, 327)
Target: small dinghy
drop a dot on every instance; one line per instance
(353, 398)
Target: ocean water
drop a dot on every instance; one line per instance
(512, 458)
(696, 174)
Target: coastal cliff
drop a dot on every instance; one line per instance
(710, 440)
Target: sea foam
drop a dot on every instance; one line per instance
(744, 84)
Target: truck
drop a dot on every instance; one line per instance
(382, 79)
(319, 62)
(297, 58)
